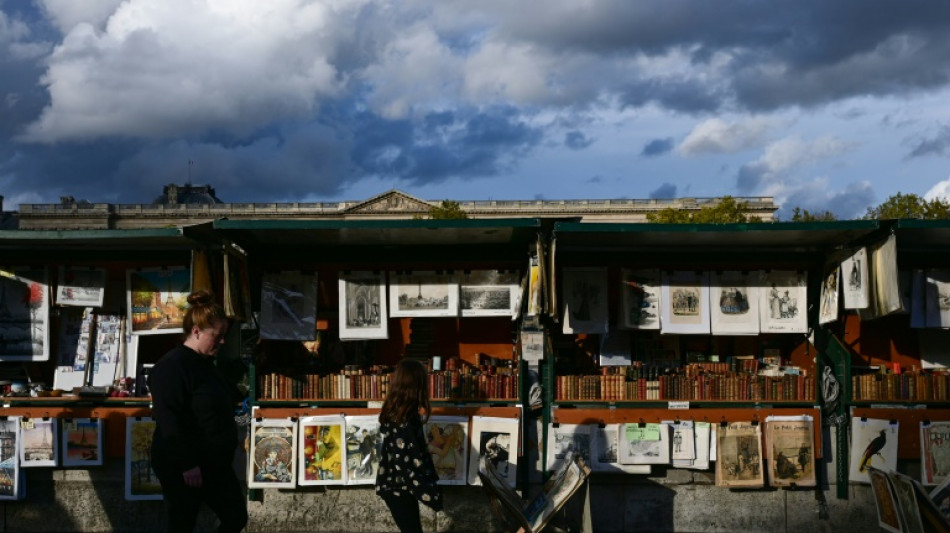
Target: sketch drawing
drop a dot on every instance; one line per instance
(828, 307)
(735, 305)
(854, 280)
(585, 300)
(566, 440)
(783, 302)
(605, 451)
(649, 444)
(363, 313)
(24, 315)
(423, 294)
(640, 295)
(684, 296)
(488, 292)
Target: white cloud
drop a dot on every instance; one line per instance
(941, 191)
(66, 14)
(716, 136)
(793, 152)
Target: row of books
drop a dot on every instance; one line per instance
(652, 372)
(705, 387)
(907, 386)
(347, 385)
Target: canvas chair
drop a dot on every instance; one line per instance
(537, 514)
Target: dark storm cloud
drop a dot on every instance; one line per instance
(750, 176)
(657, 147)
(576, 140)
(667, 190)
(939, 144)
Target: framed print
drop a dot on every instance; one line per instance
(684, 296)
(783, 302)
(38, 443)
(273, 454)
(488, 292)
(605, 451)
(734, 302)
(83, 287)
(828, 307)
(158, 299)
(322, 459)
(645, 444)
(739, 463)
(24, 302)
(289, 306)
(427, 293)
(854, 280)
(888, 512)
(565, 440)
(585, 300)
(141, 483)
(10, 482)
(640, 299)
(790, 448)
(495, 439)
(82, 442)
(873, 443)
(934, 452)
(363, 447)
(447, 438)
(363, 313)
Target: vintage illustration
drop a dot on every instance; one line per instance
(566, 440)
(363, 446)
(873, 443)
(790, 446)
(77, 326)
(495, 439)
(273, 453)
(363, 313)
(38, 444)
(783, 302)
(934, 452)
(683, 442)
(905, 494)
(937, 297)
(24, 315)
(854, 280)
(322, 451)
(289, 306)
(684, 296)
(585, 300)
(425, 293)
(9, 463)
(488, 292)
(828, 307)
(447, 438)
(734, 309)
(158, 299)
(141, 483)
(739, 463)
(640, 296)
(645, 444)
(605, 451)
(888, 513)
(82, 442)
(83, 287)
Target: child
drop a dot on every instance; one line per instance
(406, 472)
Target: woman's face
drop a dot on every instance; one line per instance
(207, 341)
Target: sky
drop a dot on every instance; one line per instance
(825, 106)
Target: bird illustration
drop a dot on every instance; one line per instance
(874, 448)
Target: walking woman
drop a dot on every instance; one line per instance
(406, 474)
(195, 434)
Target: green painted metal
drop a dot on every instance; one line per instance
(838, 355)
(286, 224)
(88, 234)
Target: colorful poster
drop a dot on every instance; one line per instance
(447, 438)
(873, 443)
(273, 454)
(10, 482)
(158, 299)
(363, 447)
(322, 451)
(82, 442)
(38, 443)
(141, 483)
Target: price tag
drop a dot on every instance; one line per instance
(26, 423)
(649, 432)
(678, 405)
(374, 405)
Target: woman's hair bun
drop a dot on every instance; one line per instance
(200, 297)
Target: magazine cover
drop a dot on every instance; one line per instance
(739, 463)
(934, 452)
(790, 446)
(906, 497)
(447, 438)
(873, 443)
(273, 453)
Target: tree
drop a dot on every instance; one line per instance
(727, 211)
(910, 206)
(448, 210)
(803, 215)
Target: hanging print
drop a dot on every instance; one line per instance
(158, 299)
(685, 299)
(645, 444)
(873, 443)
(828, 308)
(495, 439)
(489, 292)
(273, 453)
(739, 463)
(82, 442)
(363, 313)
(790, 442)
(24, 315)
(854, 280)
(38, 445)
(605, 451)
(934, 452)
(783, 302)
(734, 303)
(447, 438)
(564, 442)
(322, 451)
(640, 295)
(10, 482)
(363, 447)
(585, 300)
(141, 483)
(83, 287)
(429, 293)
(289, 306)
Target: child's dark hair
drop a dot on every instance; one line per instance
(202, 311)
(408, 393)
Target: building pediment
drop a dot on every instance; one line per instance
(391, 202)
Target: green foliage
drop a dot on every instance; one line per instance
(910, 206)
(448, 210)
(803, 215)
(727, 211)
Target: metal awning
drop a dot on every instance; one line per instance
(80, 245)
